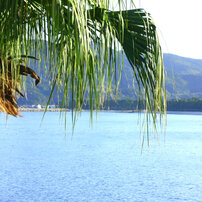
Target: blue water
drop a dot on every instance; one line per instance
(103, 163)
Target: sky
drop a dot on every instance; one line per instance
(179, 24)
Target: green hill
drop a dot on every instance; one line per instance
(183, 76)
(183, 80)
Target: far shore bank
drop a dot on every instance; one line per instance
(115, 111)
(42, 109)
(68, 110)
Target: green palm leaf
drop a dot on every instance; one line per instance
(78, 40)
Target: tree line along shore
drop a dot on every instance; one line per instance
(128, 105)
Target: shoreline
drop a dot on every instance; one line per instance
(115, 111)
(42, 110)
(69, 110)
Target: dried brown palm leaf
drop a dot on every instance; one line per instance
(9, 82)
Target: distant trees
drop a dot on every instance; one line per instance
(185, 104)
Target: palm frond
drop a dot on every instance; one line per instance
(78, 40)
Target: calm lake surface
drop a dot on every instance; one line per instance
(103, 163)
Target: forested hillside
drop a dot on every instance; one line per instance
(183, 80)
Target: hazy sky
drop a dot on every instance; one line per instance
(179, 25)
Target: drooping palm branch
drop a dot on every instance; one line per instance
(80, 39)
(9, 84)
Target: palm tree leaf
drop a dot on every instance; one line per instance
(77, 39)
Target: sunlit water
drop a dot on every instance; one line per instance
(103, 163)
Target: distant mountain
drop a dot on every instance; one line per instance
(183, 80)
(183, 76)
